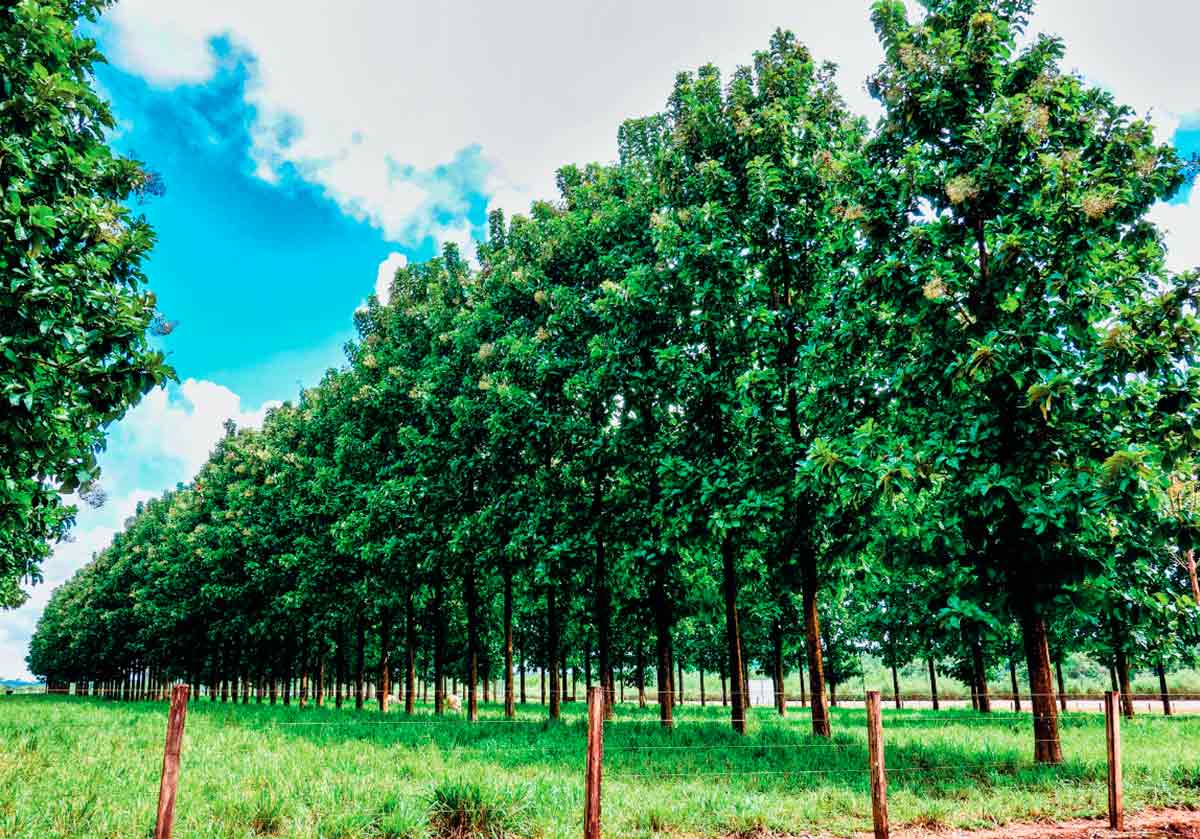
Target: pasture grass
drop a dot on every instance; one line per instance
(88, 767)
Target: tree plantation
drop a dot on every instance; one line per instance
(774, 390)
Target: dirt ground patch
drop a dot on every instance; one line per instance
(1154, 824)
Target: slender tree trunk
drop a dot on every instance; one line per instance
(1016, 688)
(542, 677)
(833, 694)
(470, 596)
(724, 690)
(812, 639)
(780, 695)
(1112, 680)
(522, 675)
(1123, 677)
(679, 672)
(981, 685)
(339, 666)
(896, 686)
(733, 636)
(641, 672)
(603, 605)
(703, 698)
(800, 673)
(439, 648)
(1162, 688)
(933, 693)
(1047, 746)
(1190, 559)
(552, 651)
(1062, 690)
(510, 709)
(360, 663)
(321, 683)
(385, 660)
(662, 625)
(410, 657)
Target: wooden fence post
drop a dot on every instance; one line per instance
(1112, 727)
(170, 771)
(879, 812)
(595, 758)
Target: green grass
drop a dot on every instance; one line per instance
(85, 767)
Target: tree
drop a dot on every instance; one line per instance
(74, 316)
(1006, 260)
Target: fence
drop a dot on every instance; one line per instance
(876, 767)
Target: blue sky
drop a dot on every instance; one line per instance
(306, 155)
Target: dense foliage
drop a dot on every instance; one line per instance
(74, 318)
(772, 389)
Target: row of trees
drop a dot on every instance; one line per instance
(772, 389)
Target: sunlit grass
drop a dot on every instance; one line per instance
(81, 767)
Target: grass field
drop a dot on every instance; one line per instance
(86, 767)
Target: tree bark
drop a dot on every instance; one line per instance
(1062, 690)
(510, 709)
(471, 598)
(385, 660)
(780, 688)
(737, 678)
(360, 662)
(1047, 745)
(552, 645)
(662, 624)
(896, 686)
(812, 639)
(1123, 680)
(1190, 559)
(410, 657)
(1162, 688)
(1016, 688)
(933, 693)
(981, 685)
(641, 672)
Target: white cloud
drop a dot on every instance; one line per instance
(183, 427)
(1181, 224)
(387, 271)
(382, 103)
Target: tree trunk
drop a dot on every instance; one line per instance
(1190, 558)
(439, 648)
(703, 698)
(737, 678)
(812, 639)
(1062, 690)
(410, 657)
(385, 660)
(724, 690)
(522, 675)
(510, 709)
(800, 673)
(1162, 688)
(679, 671)
(780, 690)
(833, 694)
(552, 650)
(542, 677)
(1047, 746)
(896, 686)
(321, 683)
(339, 665)
(981, 685)
(933, 694)
(471, 598)
(662, 625)
(641, 672)
(1016, 688)
(1123, 679)
(360, 663)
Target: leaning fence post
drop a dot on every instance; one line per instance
(595, 758)
(1112, 728)
(170, 771)
(879, 812)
